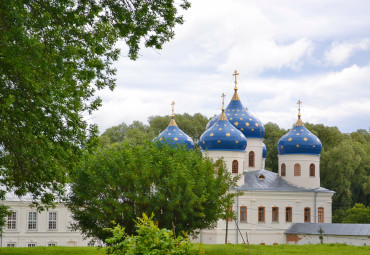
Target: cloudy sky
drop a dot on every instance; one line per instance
(317, 51)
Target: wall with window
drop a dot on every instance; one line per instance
(254, 147)
(301, 170)
(265, 215)
(25, 227)
(234, 161)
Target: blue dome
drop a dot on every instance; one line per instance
(212, 121)
(299, 140)
(223, 136)
(264, 151)
(173, 135)
(240, 118)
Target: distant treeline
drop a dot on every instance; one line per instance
(345, 158)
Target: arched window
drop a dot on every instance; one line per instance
(235, 167)
(251, 159)
(243, 213)
(297, 170)
(312, 170)
(283, 170)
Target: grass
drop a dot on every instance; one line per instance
(229, 249)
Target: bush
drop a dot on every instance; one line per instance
(149, 240)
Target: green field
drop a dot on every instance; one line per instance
(229, 249)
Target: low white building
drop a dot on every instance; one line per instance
(351, 234)
(26, 227)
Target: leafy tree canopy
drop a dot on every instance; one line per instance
(359, 213)
(120, 182)
(54, 55)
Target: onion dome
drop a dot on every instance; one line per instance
(299, 140)
(173, 135)
(223, 136)
(240, 118)
(264, 151)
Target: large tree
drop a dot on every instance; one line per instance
(120, 182)
(54, 55)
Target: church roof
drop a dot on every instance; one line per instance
(337, 229)
(265, 180)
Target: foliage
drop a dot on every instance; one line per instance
(54, 55)
(272, 135)
(359, 213)
(149, 239)
(123, 181)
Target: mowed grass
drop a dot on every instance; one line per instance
(229, 249)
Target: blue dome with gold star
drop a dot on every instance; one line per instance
(223, 136)
(299, 140)
(264, 151)
(173, 135)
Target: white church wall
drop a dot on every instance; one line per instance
(268, 232)
(255, 145)
(229, 157)
(45, 233)
(314, 239)
(305, 160)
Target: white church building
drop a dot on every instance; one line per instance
(270, 203)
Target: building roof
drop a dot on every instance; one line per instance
(265, 180)
(338, 229)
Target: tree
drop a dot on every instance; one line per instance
(272, 135)
(120, 182)
(149, 239)
(54, 55)
(359, 213)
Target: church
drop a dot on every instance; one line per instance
(270, 202)
(270, 208)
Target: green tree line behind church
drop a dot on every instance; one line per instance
(345, 158)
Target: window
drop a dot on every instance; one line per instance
(52, 220)
(283, 170)
(235, 167)
(31, 245)
(10, 245)
(307, 214)
(261, 214)
(275, 214)
(243, 213)
(251, 159)
(321, 214)
(288, 214)
(32, 220)
(312, 170)
(52, 244)
(12, 221)
(297, 170)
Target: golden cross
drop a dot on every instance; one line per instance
(235, 74)
(223, 101)
(299, 107)
(173, 108)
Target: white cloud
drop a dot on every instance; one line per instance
(339, 53)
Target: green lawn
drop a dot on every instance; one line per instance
(327, 249)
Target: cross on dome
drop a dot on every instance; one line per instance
(236, 82)
(299, 121)
(173, 108)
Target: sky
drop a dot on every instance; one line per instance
(316, 51)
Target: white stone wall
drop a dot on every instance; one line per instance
(268, 232)
(314, 239)
(42, 235)
(255, 145)
(229, 157)
(305, 160)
